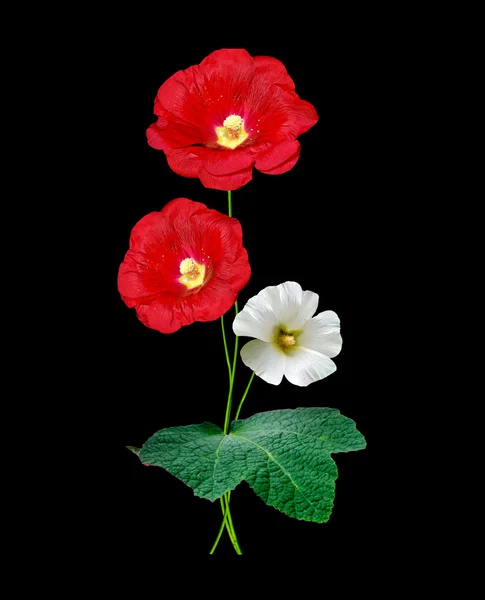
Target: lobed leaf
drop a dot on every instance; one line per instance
(284, 455)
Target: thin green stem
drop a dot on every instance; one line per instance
(229, 405)
(225, 499)
(244, 396)
(228, 524)
(229, 519)
(230, 528)
(228, 360)
(221, 529)
(231, 382)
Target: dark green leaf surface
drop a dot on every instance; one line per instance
(284, 455)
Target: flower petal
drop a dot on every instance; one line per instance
(184, 161)
(149, 263)
(225, 162)
(308, 307)
(278, 154)
(322, 334)
(257, 319)
(291, 307)
(225, 182)
(228, 56)
(170, 132)
(159, 314)
(274, 71)
(304, 366)
(265, 360)
(285, 166)
(195, 95)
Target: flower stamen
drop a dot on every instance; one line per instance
(233, 125)
(192, 273)
(232, 133)
(286, 341)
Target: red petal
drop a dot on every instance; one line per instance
(184, 162)
(226, 162)
(304, 115)
(229, 56)
(155, 140)
(180, 210)
(150, 266)
(284, 167)
(204, 95)
(277, 155)
(274, 71)
(237, 273)
(214, 301)
(160, 314)
(173, 92)
(190, 162)
(225, 182)
(169, 132)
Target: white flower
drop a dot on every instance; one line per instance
(288, 340)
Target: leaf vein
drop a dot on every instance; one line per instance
(216, 463)
(297, 487)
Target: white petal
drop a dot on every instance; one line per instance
(304, 366)
(309, 303)
(256, 319)
(285, 300)
(322, 333)
(265, 360)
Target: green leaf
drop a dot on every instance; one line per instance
(284, 455)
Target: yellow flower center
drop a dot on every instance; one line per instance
(286, 340)
(232, 134)
(192, 273)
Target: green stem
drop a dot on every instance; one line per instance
(225, 499)
(227, 514)
(231, 382)
(229, 203)
(228, 360)
(244, 396)
(226, 522)
(221, 529)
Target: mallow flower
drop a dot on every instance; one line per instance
(185, 263)
(289, 340)
(231, 113)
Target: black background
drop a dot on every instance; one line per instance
(319, 224)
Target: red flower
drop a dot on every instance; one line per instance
(186, 263)
(218, 119)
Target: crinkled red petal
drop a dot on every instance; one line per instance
(225, 182)
(228, 56)
(225, 162)
(277, 154)
(284, 167)
(274, 71)
(169, 132)
(184, 161)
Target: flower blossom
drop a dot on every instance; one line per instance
(185, 263)
(289, 342)
(232, 112)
